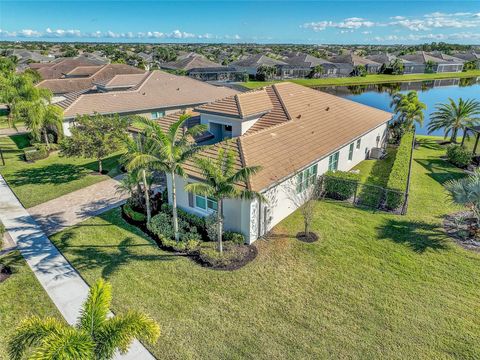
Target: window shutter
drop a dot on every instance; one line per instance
(190, 199)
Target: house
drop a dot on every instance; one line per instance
(421, 62)
(201, 68)
(85, 77)
(293, 133)
(469, 56)
(61, 66)
(355, 61)
(152, 95)
(252, 63)
(303, 65)
(29, 56)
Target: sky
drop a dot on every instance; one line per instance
(308, 22)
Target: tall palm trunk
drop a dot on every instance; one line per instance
(220, 225)
(453, 138)
(100, 167)
(174, 207)
(45, 138)
(147, 195)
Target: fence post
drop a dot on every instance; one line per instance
(355, 193)
(407, 190)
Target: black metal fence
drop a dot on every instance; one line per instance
(363, 195)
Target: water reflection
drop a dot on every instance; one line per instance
(430, 92)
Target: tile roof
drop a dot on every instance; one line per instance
(104, 73)
(122, 80)
(158, 90)
(353, 60)
(190, 62)
(421, 57)
(84, 70)
(257, 60)
(56, 69)
(299, 59)
(305, 125)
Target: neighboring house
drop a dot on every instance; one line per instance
(470, 56)
(61, 66)
(85, 77)
(201, 68)
(293, 133)
(252, 63)
(153, 95)
(29, 56)
(353, 60)
(421, 62)
(302, 65)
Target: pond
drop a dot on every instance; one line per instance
(430, 92)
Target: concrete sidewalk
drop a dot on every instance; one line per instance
(77, 206)
(60, 280)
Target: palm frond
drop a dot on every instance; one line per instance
(69, 343)
(200, 188)
(95, 309)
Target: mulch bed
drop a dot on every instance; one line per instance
(309, 238)
(5, 272)
(462, 233)
(247, 252)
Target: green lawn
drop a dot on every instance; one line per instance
(376, 172)
(375, 286)
(369, 79)
(4, 123)
(21, 296)
(35, 183)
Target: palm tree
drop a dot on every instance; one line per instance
(466, 192)
(170, 150)
(139, 160)
(453, 117)
(221, 182)
(96, 335)
(409, 109)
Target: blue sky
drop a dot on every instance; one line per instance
(317, 22)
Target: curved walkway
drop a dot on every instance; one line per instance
(60, 280)
(77, 206)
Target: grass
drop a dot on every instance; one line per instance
(376, 172)
(375, 286)
(35, 183)
(4, 123)
(369, 79)
(21, 296)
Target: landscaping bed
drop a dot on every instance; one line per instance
(194, 241)
(463, 228)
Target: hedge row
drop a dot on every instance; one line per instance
(36, 152)
(397, 180)
(340, 185)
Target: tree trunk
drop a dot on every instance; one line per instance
(220, 225)
(45, 137)
(147, 195)
(174, 208)
(453, 139)
(100, 169)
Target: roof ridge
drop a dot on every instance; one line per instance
(239, 107)
(243, 160)
(284, 107)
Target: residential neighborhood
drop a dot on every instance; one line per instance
(287, 180)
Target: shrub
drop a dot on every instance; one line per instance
(397, 180)
(132, 214)
(161, 225)
(36, 152)
(340, 185)
(234, 237)
(458, 155)
(209, 254)
(192, 219)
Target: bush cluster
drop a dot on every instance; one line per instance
(36, 152)
(192, 219)
(397, 180)
(458, 155)
(340, 185)
(132, 214)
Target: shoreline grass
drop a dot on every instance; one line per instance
(366, 80)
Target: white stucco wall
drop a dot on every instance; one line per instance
(239, 126)
(244, 216)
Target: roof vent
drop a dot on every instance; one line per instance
(143, 93)
(178, 89)
(327, 108)
(299, 116)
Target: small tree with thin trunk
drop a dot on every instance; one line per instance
(169, 150)
(222, 181)
(97, 336)
(96, 137)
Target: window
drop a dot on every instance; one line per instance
(350, 152)
(158, 114)
(359, 142)
(333, 162)
(205, 203)
(306, 178)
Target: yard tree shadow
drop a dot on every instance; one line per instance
(440, 170)
(428, 143)
(419, 236)
(108, 257)
(51, 174)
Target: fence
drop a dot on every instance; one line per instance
(362, 195)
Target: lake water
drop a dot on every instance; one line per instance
(429, 92)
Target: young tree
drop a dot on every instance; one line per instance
(95, 136)
(221, 182)
(39, 117)
(466, 192)
(96, 336)
(408, 109)
(453, 117)
(170, 150)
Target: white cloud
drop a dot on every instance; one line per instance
(428, 37)
(348, 23)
